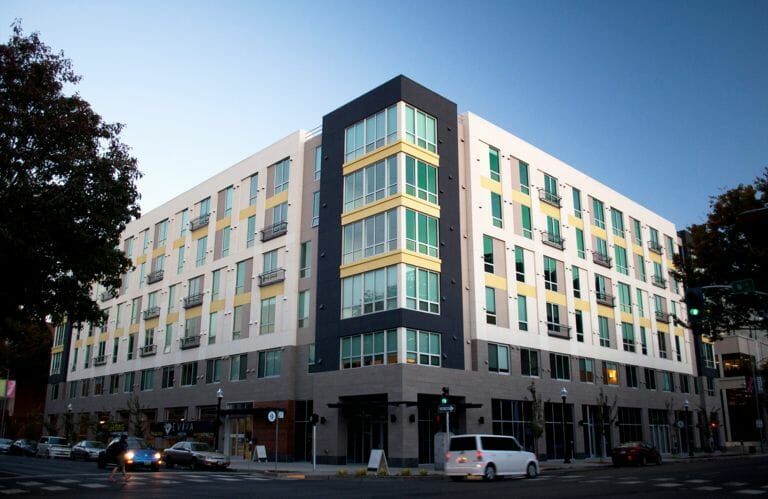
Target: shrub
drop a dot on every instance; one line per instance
(361, 472)
(342, 472)
(405, 472)
(423, 472)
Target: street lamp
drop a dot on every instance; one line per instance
(688, 428)
(564, 395)
(219, 396)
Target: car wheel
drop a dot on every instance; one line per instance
(48, 454)
(490, 473)
(658, 459)
(193, 464)
(168, 463)
(101, 463)
(531, 471)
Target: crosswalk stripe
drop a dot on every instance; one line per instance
(735, 484)
(13, 491)
(94, 485)
(29, 484)
(696, 481)
(54, 488)
(751, 492)
(708, 488)
(68, 480)
(669, 484)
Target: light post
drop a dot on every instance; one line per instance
(564, 396)
(688, 428)
(219, 396)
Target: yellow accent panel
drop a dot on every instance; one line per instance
(241, 299)
(597, 231)
(620, 241)
(526, 289)
(556, 298)
(654, 257)
(625, 317)
(637, 249)
(193, 312)
(521, 198)
(103, 336)
(389, 203)
(246, 213)
(491, 185)
(645, 322)
(90, 341)
(270, 291)
(387, 259)
(385, 152)
(495, 281)
(171, 317)
(670, 264)
(178, 243)
(576, 222)
(158, 252)
(605, 311)
(119, 332)
(134, 328)
(201, 232)
(275, 200)
(664, 328)
(679, 331)
(550, 210)
(225, 222)
(79, 344)
(141, 259)
(582, 305)
(151, 323)
(216, 306)
(57, 349)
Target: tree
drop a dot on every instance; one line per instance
(537, 417)
(136, 415)
(67, 191)
(730, 246)
(606, 416)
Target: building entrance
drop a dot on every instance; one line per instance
(367, 427)
(240, 432)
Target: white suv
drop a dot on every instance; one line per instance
(489, 456)
(53, 447)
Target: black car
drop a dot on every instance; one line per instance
(87, 450)
(23, 447)
(139, 454)
(195, 455)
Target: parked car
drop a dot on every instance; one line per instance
(87, 450)
(5, 445)
(489, 456)
(638, 453)
(139, 454)
(23, 447)
(53, 447)
(195, 455)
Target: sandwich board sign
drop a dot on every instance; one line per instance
(378, 461)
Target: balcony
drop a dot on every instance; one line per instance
(190, 342)
(601, 259)
(662, 317)
(271, 277)
(148, 350)
(550, 198)
(155, 276)
(553, 240)
(151, 313)
(659, 282)
(100, 360)
(193, 300)
(274, 231)
(199, 222)
(605, 299)
(107, 295)
(558, 330)
(655, 247)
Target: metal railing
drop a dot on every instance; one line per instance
(190, 342)
(601, 259)
(659, 282)
(655, 247)
(155, 276)
(273, 231)
(107, 295)
(662, 317)
(148, 350)
(151, 313)
(100, 360)
(605, 299)
(193, 300)
(271, 277)
(550, 198)
(558, 330)
(553, 240)
(199, 222)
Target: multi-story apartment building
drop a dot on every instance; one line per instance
(355, 272)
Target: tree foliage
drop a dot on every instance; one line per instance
(67, 190)
(731, 245)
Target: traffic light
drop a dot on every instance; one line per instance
(314, 419)
(713, 426)
(694, 301)
(446, 394)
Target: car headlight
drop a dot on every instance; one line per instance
(157, 455)
(129, 454)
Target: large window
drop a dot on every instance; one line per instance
(525, 185)
(525, 212)
(587, 370)
(650, 379)
(560, 366)
(253, 189)
(529, 362)
(662, 337)
(632, 381)
(604, 331)
(497, 215)
(269, 364)
(189, 374)
(625, 298)
(303, 309)
(610, 373)
(421, 233)
(488, 254)
(490, 305)
(305, 260)
(576, 279)
(519, 264)
(550, 273)
(513, 418)
(370, 292)
(370, 349)
(493, 163)
(238, 367)
(667, 382)
(370, 183)
(708, 355)
(267, 318)
(522, 313)
(169, 373)
(628, 336)
(422, 290)
(282, 172)
(213, 371)
(420, 180)
(580, 252)
(617, 222)
(422, 347)
(202, 245)
(576, 202)
(621, 259)
(371, 133)
(598, 213)
(370, 236)
(498, 358)
(420, 129)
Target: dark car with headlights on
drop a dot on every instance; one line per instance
(195, 455)
(139, 455)
(87, 450)
(637, 453)
(23, 447)
(5, 445)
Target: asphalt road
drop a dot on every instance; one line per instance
(733, 477)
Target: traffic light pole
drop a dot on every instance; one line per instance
(447, 429)
(314, 447)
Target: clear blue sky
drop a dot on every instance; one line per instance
(665, 101)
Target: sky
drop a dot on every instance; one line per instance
(663, 101)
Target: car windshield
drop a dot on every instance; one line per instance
(58, 441)
(6, 441)
(200, 447)
(463, 443)
(138, 443)
(94, 445)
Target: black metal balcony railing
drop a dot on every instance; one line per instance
(148, 350)
(193, 300)
(274, 231)
(662, 317)
(271, 277)
(199, 222)
(655, 247)
(601, 259)
(553, 240)
(558, 330)
(100, 360)
(107, 295)
(659, 281)
(155, 276)
(550, 198)
(605, 299)
(190, 342)
(151, 313)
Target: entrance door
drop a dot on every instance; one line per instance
(241, 429)
(365, 431)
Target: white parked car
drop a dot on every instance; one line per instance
(488, 456)
(53, 447)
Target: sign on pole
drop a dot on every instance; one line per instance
(378, 461)
(446, 408)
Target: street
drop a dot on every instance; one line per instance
(29, 477)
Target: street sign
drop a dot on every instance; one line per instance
(271, 416)
(680, 423)
(447, 408)
(743, 286)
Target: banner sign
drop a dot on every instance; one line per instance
(11, 389)
(181, 428)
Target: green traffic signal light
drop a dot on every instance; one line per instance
(693, 311)
(444, 400)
